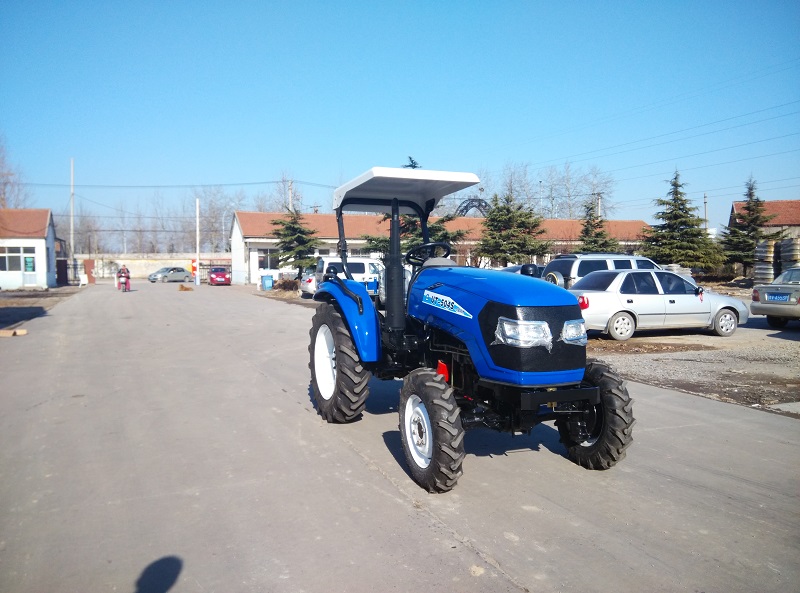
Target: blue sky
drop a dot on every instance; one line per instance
(148, 94)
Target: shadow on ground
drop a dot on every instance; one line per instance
(10, 316)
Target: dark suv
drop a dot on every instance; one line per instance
(566, 269)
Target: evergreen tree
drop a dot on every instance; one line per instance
(739, 240)
(296, 242)
(510, 232)
(594, 238)
(411, 234)
(680, 238)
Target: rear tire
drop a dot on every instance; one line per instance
(431, 430)
(609, 424)
(725, 323)
(777, 322)
(621, 326)
(339, 381)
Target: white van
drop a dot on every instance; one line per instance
(365, 270)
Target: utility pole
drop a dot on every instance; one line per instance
(599, 204)
(705, 210)
(72, 208)
(197, 234)
(291, 197)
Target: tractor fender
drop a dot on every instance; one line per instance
(363, 326)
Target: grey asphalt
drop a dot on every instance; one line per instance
(165, 440)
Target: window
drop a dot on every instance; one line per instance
(11, 259)
(645, 284)
(628, 287)
(623, 264)
(673, 284)
(599, 281)
(645, 264)
(268, 259)
(591, 265)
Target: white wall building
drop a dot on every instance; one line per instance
(27, 249)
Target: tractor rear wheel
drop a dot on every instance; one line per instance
(430, 426)
(599, 438)
(339, 380)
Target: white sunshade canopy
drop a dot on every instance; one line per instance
(380, 185)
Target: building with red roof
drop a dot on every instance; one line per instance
(254, 245)
(27, 249)
(786, 216)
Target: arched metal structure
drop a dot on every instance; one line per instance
(478, 204)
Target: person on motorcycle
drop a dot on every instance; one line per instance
(124, 277)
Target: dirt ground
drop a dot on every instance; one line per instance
(755, 367)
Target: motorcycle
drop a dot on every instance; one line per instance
(123, 283)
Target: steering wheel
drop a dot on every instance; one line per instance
(416, 256)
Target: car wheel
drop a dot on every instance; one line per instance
(339, 380)
(621, 326)
(186, 278)
(597, 436)
(725, 323)
(431, 430)
(555, 278)
(776, 322)
(163, 278)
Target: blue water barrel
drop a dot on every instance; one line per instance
(266, 282)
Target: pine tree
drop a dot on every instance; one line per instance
(594, 238)
(411, 234)
(510, 232)
(739, 240)
(680, 238)
(296, 242)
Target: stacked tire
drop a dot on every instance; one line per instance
(790, 253)
(763, 269)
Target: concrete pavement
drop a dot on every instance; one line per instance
(174, 430)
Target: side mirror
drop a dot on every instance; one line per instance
(698, 291)
(529, 270)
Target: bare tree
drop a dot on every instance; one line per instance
(13, 193)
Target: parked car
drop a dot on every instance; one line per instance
(308, 281)
(566, 269)
(219, 276)
(532, 270)
(621, 302)
(780, 300)
(364, 270)
(171, 275)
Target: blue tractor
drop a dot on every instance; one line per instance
(474, 347)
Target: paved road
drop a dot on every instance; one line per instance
(162, 435)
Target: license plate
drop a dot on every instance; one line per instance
(778, 298)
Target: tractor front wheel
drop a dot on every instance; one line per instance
(597, 437)
(430, 426)
(339, 380)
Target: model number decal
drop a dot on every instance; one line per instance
(445, 303)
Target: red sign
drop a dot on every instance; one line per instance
(194, 267)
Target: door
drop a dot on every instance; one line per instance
(684, 308)
(639, 293)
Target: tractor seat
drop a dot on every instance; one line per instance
(439, 262)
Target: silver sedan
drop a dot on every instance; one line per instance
(779, 301)
(624, 301)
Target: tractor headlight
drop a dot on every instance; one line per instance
(523, 334)
(574, 332)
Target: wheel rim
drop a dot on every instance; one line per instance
(418, 432)
(594, 423)
(623, 326)
(325, 362)
(727, 323)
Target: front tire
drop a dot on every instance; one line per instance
(163, 278)
(606, 431)
(725, 323)
(339, 381)
(621, 326)
(431, 430)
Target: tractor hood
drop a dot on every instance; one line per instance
(493, 285)
(471, 305)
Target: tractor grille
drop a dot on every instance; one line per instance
(561, 357)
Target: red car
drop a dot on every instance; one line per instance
(219, 277)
